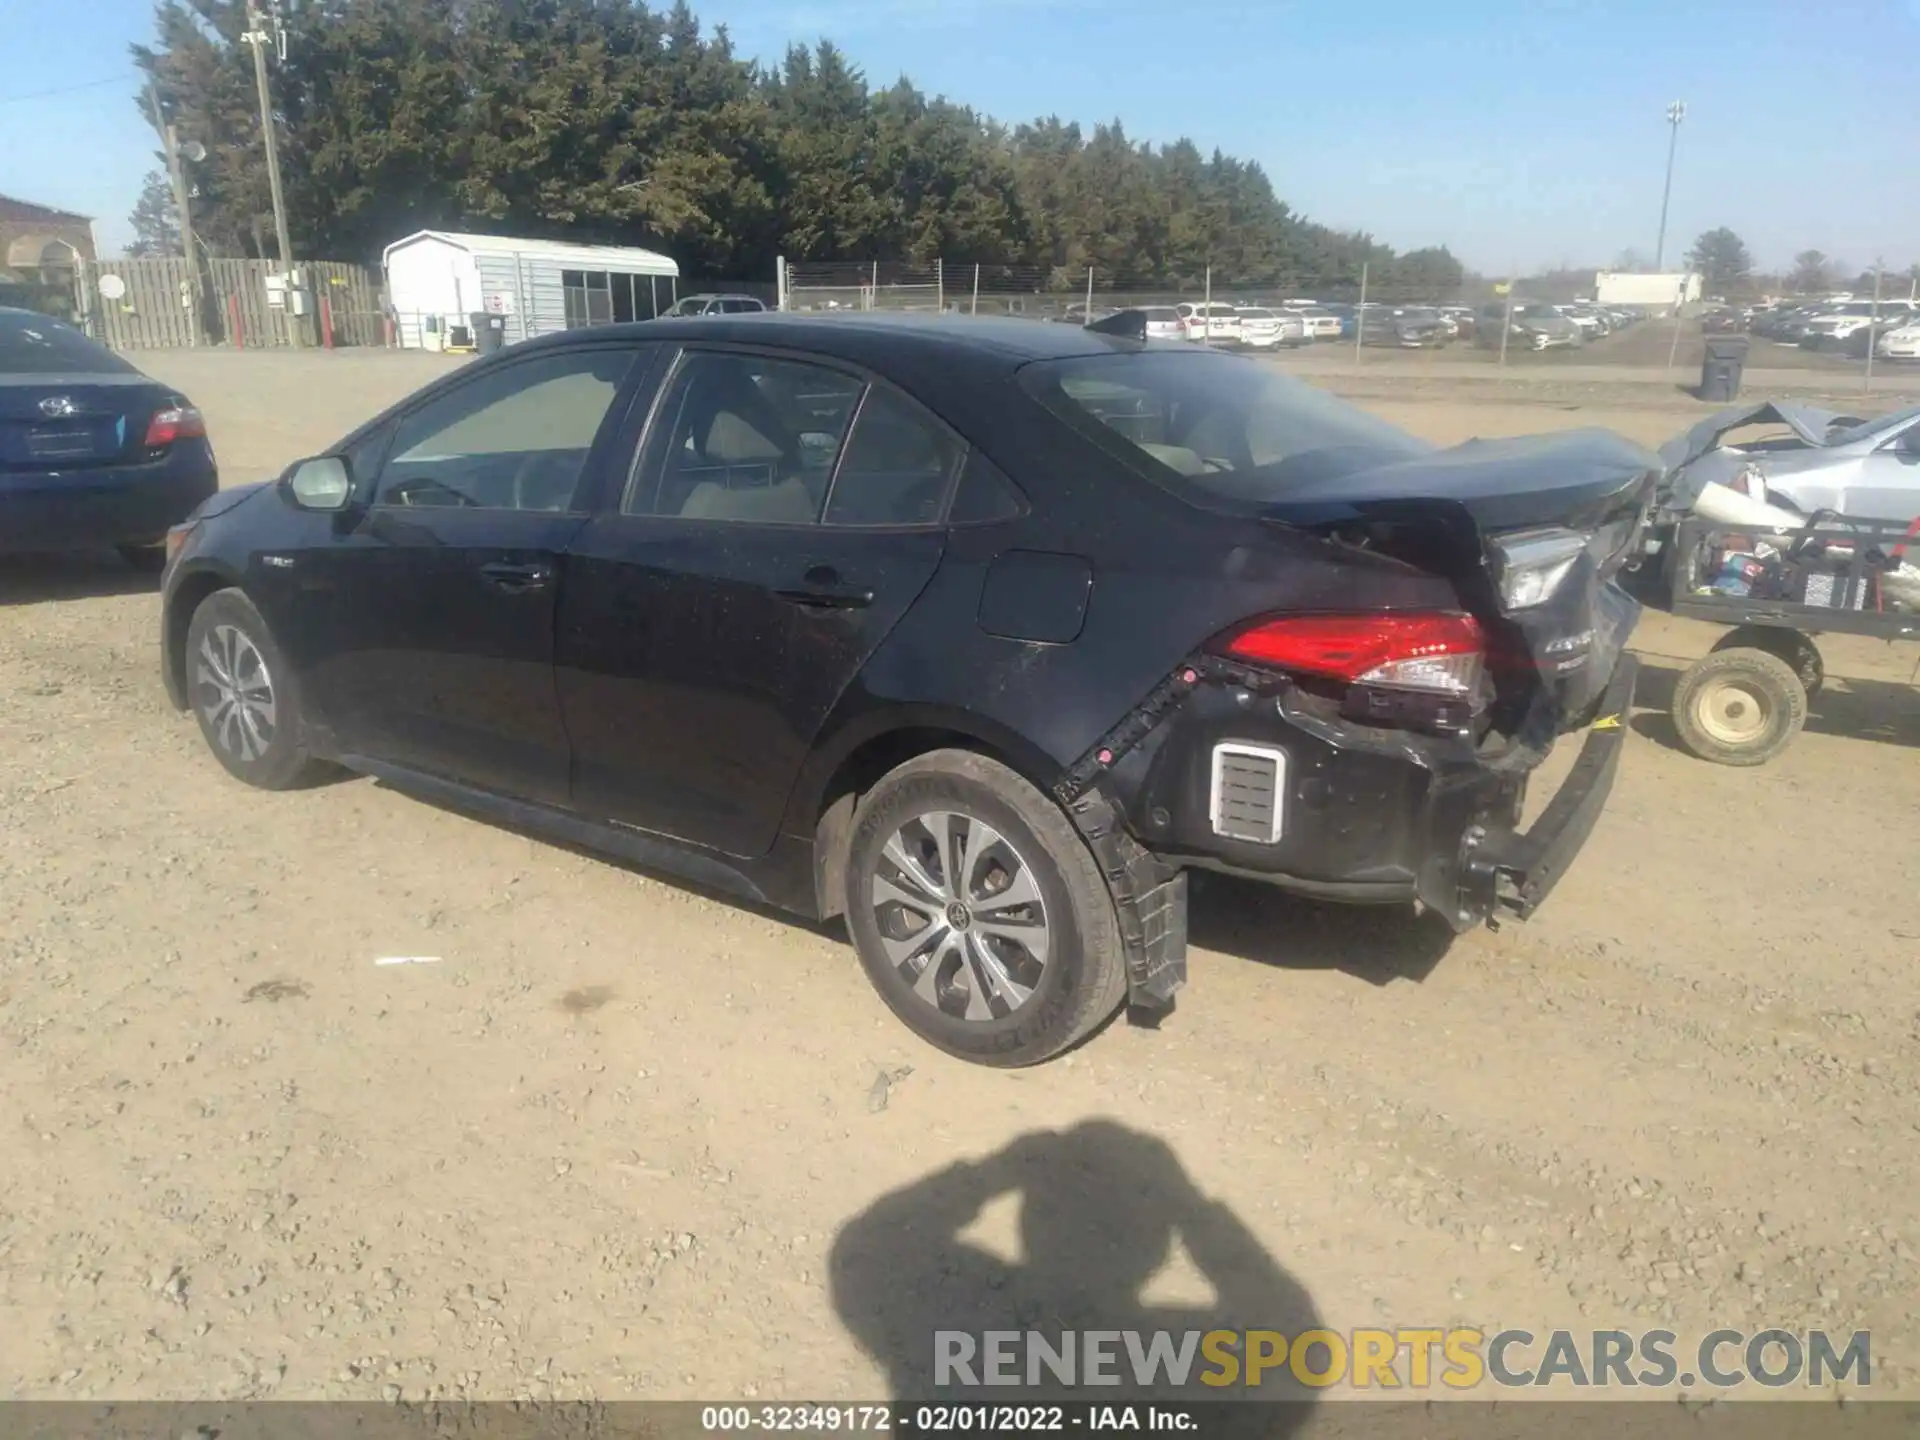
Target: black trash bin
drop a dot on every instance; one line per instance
(1720, 372)
(489, 331)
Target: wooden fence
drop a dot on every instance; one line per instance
(148, 304)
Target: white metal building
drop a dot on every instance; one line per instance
(1615, 287)
(437, 279)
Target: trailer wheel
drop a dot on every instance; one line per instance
(1739, 707)
(1800, 653)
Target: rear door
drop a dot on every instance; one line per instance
(781, 517)
(427, 619)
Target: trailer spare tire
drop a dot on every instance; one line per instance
(1739, 707)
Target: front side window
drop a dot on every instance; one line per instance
(516, 438)
(744, 438)
(1214, 427)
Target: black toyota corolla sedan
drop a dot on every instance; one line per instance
(978, 633)
(92, 452)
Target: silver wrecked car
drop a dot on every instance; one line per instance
(1866, 467)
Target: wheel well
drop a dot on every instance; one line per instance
(192, 593)
(856, 775)
(1799, 653)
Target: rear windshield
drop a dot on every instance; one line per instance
(40, 345)
(1161, 314)
(1216, 427)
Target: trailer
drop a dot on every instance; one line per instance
(1776, 590)
(444, 286)
(1621, 287)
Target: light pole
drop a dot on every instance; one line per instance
(259, 37)
(182, 201)
(1676, 112)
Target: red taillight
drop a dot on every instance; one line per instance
(176, 422)
(1432, 651)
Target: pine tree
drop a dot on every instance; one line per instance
(155, 219)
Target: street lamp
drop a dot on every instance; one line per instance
(1676, 112)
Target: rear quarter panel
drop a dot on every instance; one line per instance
(1167, 576)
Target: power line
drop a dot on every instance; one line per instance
(66, 89)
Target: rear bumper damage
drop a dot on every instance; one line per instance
(1363, 815)
(1517, 871)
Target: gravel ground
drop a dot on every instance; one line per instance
(625, 1139)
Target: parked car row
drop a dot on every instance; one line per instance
(1252, 327)
(1538, 325)
(1890, 328)
(1290, 323)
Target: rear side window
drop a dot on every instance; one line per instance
(985, 494)
(40, 345)
(744, 438)
(896, 468)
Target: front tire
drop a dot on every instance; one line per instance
(1739, 707)
(245, 695)
(979, 913)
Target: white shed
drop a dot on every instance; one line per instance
(437, 279)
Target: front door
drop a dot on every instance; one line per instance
(432, 612)
(782, 517)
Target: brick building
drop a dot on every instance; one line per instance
(39, 244)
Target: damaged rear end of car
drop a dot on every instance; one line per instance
(1437, 621)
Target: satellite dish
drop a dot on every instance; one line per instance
(112, 287)
(194, 151)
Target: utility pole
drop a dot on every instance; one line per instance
(259, 37)
(170, 143)
(1360, 315)
(1676, 112)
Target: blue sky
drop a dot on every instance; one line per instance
(1520, 134)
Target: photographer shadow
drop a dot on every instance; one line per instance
(1100, 1209)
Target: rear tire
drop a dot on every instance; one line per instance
(1739, 707)
(245, 695)
(979, 913)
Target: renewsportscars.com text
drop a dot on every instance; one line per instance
(1412, 1359)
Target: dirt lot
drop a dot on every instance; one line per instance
(625, 1139)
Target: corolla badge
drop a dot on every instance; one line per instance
(58, 407)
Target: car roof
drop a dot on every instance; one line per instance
(865, 338)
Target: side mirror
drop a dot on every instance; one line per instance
(1909, 443)
(324, 483)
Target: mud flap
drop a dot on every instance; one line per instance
(1150, 900)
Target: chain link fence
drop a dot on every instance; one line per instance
(1040, 292)
(1549, 320)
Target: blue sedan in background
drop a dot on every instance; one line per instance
(92, 452)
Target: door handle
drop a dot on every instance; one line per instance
(827, 597)
(516, 579)
(820, 589)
